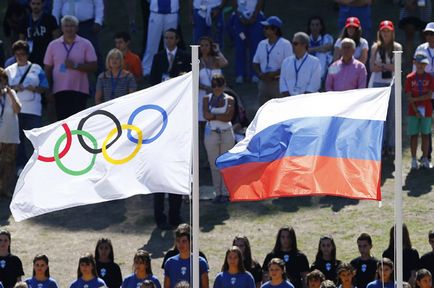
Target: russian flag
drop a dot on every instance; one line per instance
(312, 144)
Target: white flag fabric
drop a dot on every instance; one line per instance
(136, 144)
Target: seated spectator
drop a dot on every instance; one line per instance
(277, 275)
(269, 57)
(251, 265)
(142, 271)
(9, 140)
(427, 260)
(365, 264)
(325, 259)
(115, 81)
(106, 268)
(12, 267)
(86, 274)
(29, 81)
(233, 271)
(345, 275)
(41, 273)
(301, 72)
(423, 279)
(353, 30)
(131, 61)
(385, 275)
(346, 73)
(320, 43)
(314, 279)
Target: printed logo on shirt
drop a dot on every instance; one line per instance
(286, 258)
(40, 285)
(183, 270)
(233, 280)
(103, 272)
(85, 286)
(2, 264)
(139, 284)
(364, 267)
(328, 266)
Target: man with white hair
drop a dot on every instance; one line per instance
(67, 61)
(346, 73)
(301, 72)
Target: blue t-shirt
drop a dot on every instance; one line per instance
(379, 284)
(94, 283)
(49, 283)
(178, 269)
(239, 280)
(284, 284)
(131, 281)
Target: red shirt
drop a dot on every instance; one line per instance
(133, 64)
(419, 85)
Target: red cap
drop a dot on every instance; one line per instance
(386, 24)
(352, 22)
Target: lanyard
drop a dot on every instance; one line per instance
(32, 26)
(297, 69)
(2, 104)
(269, 51)
(68, 50)
(432, 59)
(114, 82)
(212, 104)
(420, 84)
(315, 43)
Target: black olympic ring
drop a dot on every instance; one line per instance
(98, 112)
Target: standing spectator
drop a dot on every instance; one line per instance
(9, 139)
(86, 274)
(218, 109)
(250, 264)
(41, 273)
(15, 14)
(365, 264)
(413, 17)
(29, 82)
(12, 268)
(38, 29)
(353, 30)
(410, 254)
(320, 43)
(301, 72)
(207, 19)
(142, 271)
(178, 268)
(131, 61)
(419, 87)
(247, 29)
(164, 16)
(427, 260)
(170, 62)
(285, 248)
(277, 275)
(90, 14)
(325, 259)
(346, 73)
(67, 61)
(356, 8)
(115, 81)
(268, 59)
(428, 49)
(385, 275)
(233, 271)
(382, 70)
(106, 267)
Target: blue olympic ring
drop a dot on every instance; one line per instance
(140, 109)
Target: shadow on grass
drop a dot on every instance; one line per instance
(158, 242)
(5, 213)
(337, 203)
(212, 214)
(292, 204)
(387, 169)
(419, 182)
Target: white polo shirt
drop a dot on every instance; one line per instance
(362, 46)
(270, 57)
(298, 76)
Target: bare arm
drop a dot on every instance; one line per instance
(166, 282)
(86, 67)
(375, 67)
(364, 57)
(16, 107)
(204, 281)
(336, 54)
(98, 97)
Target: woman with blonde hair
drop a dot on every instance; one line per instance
(115, 81)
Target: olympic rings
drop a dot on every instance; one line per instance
(106, 144)
(65, 150)
(129, 157)
(140, 109)
(60, 164)
(97, 112)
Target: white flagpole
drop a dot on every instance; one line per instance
(398, 171)
(195, 184)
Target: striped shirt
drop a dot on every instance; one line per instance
(112, 88)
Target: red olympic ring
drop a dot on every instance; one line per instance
(65, 150)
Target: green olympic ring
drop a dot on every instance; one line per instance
(57, 157)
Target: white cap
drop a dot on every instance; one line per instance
(429, 27)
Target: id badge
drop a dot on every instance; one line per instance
(30, 44)
(62, 68)
(421, 110)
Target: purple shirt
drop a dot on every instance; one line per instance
(347, 76)
(81, 51)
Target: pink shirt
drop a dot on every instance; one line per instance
(348, 76)
(81, 51)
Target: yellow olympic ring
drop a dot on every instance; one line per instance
(129, 157)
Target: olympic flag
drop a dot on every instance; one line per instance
(136, 144)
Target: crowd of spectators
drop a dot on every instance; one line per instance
(285, 266)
